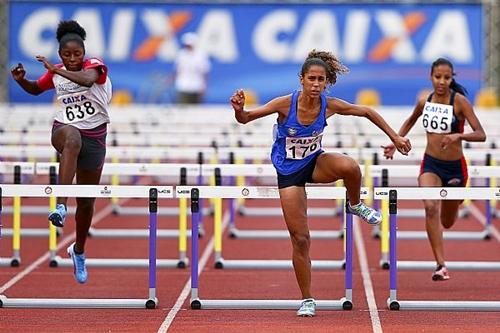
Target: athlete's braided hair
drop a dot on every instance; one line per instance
(70, 31)
(326, 59)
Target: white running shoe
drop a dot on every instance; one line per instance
(307, 308)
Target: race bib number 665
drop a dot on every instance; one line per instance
(437, 118)
(300, 148)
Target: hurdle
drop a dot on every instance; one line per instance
(485, 172)
(431, 193)
(220, 192)
(132, 169)
(263, 154)
(94, 191)
(263, 170)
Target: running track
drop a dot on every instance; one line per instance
(35, 279)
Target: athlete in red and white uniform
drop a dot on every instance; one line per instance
(83, 91)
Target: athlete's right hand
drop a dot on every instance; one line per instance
(18, 72)
(238, 100)
(389, 151)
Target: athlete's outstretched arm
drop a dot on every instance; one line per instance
(86, 77)
(339, 106)
(31, 87)
(278, 105)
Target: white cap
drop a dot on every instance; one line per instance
(189, 38)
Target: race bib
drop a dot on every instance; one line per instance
(77, 107)
(300, 148)
(437, 118)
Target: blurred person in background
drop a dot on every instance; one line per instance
(83, 91)
(444, 112)
(191, 71)
(298, 156)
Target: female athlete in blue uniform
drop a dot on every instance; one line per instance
(444, 113)
(298, 157)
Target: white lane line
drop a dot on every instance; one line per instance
(480, 216)
(63, 243)
(187, 287)
(367, 281)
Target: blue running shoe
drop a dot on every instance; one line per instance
(80, 270)
(58, 216)
(368, 214)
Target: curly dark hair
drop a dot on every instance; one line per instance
(70, 31)
(328, 60)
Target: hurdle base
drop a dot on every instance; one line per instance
(452, 265)
(454, 235)
(99, 262)
(134, 233)
(342, 304)
(276, 211)
(162, 211)
(282, 234)
(30, 232)
(78, 303)
(444, 305)
(276, 264)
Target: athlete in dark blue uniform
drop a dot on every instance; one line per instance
(443, 115)
(298, 157)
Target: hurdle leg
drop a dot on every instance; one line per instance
(52, 236)
(153, 215)
(16, 233)
(347, 300)
(182, 233)
(392, 302)
(195, 300)
(384, 235)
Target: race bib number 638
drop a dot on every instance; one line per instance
(77, 107)
(300, 148)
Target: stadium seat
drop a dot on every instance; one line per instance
(121, 98)
(486, 98)
(369, 97)
(251, 97)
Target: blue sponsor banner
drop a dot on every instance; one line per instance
(388, 48)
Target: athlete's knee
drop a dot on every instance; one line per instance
(431, 209)
(351, 168)
(73, 143)
(447, 221)
(301, 241)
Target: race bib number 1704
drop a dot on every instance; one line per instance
(300, 148)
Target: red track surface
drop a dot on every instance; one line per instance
(47, 282)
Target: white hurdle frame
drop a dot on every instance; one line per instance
(403, 171)
(264, 170)
(125, 169)
(94, 191)
(433, 193)
(225, 192)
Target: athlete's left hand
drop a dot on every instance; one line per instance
(449, 139)
(46, 63)
(402, 144)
